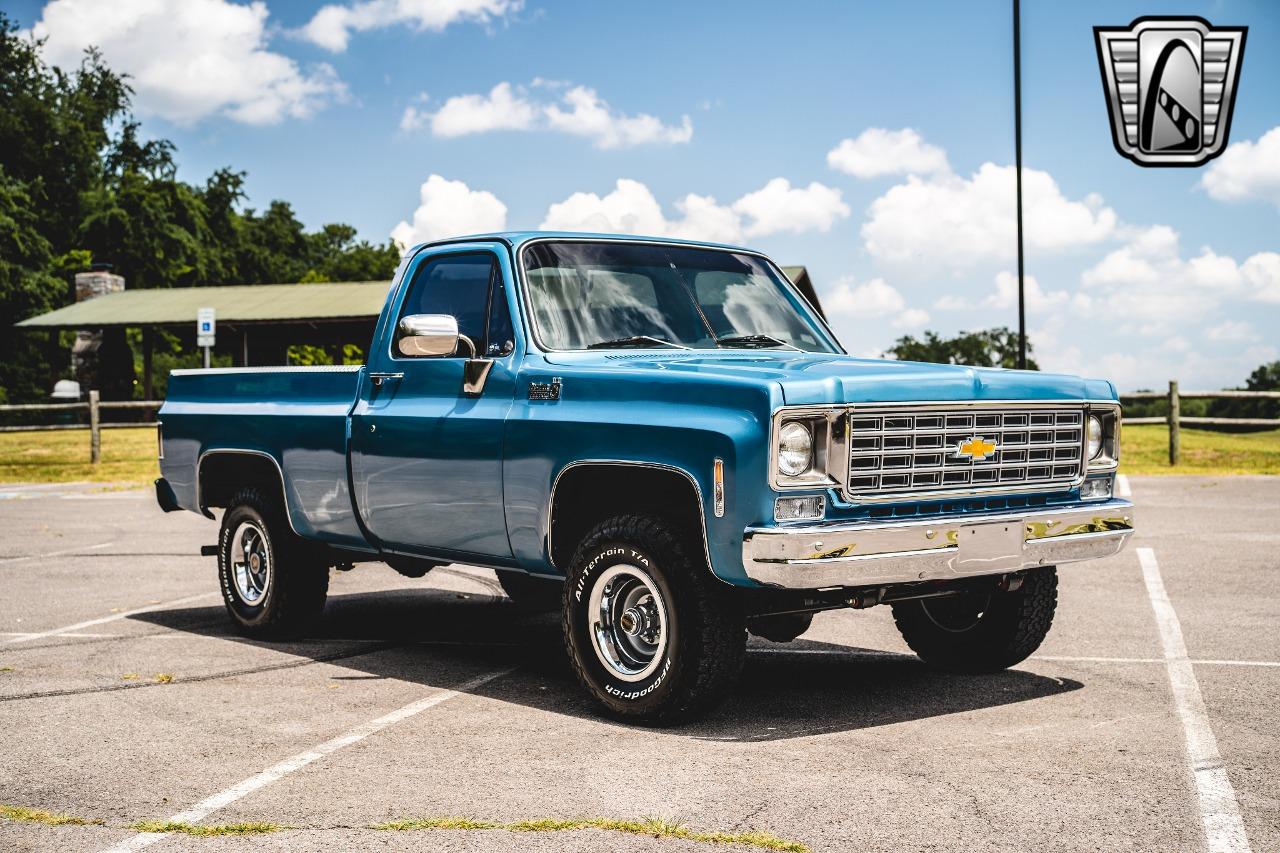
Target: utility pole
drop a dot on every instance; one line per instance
(1017, 154)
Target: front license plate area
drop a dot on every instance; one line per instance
(990, 547)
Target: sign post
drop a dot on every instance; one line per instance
(206, 332)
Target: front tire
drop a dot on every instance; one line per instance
(649, 632)
(980, 633)
(273, 582)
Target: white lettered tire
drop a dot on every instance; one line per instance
(650, 633)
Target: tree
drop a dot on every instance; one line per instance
(80, 183)
(996, 347)
(1265, 377)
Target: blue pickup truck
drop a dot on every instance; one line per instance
(663, 439)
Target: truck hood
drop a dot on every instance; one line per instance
(821, 378)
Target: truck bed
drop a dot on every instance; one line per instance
(296, 416)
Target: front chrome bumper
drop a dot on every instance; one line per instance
(869, 553)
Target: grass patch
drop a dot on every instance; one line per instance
(654, 827)
(1144, 449)
(204, 831)
(163, 678)
(26, 815)
(128, 456)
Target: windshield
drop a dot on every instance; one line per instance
(599, 295)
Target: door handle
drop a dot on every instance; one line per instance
(379, 378)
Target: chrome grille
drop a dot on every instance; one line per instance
(909, 451)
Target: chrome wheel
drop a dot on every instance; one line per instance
(250, 563)
(628, 622)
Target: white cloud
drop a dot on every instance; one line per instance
(877, 151)
(777, 207)
(190, 59)
(949, 222)
(912, 318)
(632, 208)
(591, 117)
(1231, 331)
(332, 25)
(1247, 170)
(585, 114)
(501, 109)
(1037, 298)
(450, 209)
(1148, 285)
(874, 299)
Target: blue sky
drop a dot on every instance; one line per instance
(729, 121)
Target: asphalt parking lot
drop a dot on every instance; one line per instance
(125, 696)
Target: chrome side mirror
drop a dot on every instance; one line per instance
(426, 335)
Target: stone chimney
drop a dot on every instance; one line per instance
(98, 281)
(92, 349)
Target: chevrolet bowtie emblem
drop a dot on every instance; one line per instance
(976, 448)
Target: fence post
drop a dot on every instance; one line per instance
(95, 434)
(1175, 415)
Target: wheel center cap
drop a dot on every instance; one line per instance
(631, 621)
(255, 563)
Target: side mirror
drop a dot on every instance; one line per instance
(424, 335)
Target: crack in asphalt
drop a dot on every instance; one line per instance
(213, 676)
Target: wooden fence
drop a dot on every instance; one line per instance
(94, 407)
(1175, 420)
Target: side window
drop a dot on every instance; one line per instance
(457, 285)
(501, 337)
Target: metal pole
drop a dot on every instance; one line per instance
(1175, 416)
(95, 434)
(148, 346)
(206, 358)
(1017, 154)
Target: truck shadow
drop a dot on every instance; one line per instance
(787, 690)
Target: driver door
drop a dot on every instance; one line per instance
(426, 457)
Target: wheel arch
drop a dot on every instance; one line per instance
(587, 491)
(222, 471)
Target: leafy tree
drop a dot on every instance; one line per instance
(1265, 378)
(996, 347)
(80, 183)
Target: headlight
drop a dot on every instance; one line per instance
(795, 449)
(1095, 437)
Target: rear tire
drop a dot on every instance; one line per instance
(974, 633)
(651, 635)
(274, 583)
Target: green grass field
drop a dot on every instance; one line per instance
(1144, 449)
(129, 455)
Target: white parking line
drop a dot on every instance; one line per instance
(1122, 486)
(873, 654)
(7, 560)
(203, 809)
(67, 629)
(1219, 811)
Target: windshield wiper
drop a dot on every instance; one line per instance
(634, 341)
(755, 341)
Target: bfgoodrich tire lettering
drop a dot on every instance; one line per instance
(650, 634)
(273, 582)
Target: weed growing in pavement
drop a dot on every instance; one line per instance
(215, 829)
(21, 813)
(655, 827)
(162, 678)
